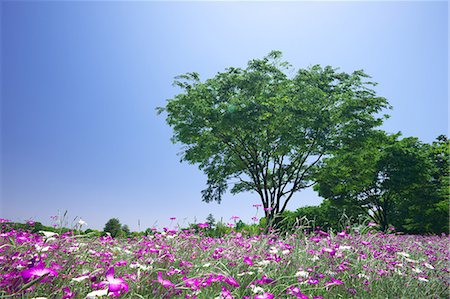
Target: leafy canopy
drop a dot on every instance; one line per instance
(264, 130)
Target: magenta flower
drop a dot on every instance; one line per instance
(264, 296)
(38, 271)
(231, 281)
(67, 293)
(203, 225)
(333, 282)
(295, 291)
(248, 260)
(165, 282)
(115, 285)
(234, 218)
(226, 294)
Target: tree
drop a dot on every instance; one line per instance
(260, 130)
(126, 230)
(113, 227)
(386, 178)
(211, 220)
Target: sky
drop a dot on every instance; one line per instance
(81, 80)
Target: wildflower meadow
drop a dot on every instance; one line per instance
(187, 263)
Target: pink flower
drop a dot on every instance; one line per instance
(173, 218)
(231, 281)
(333, 282)
(295, 291)
(264, 296)
(115, 285)
(38, 271)
(165, 282)
(225, 294)
(248, 260)
(67, 293)
(234, 218)
(203, 225)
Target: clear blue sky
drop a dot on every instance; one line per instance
(81, 80)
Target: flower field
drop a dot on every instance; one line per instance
(185, 264)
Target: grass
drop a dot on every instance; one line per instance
(185, 264)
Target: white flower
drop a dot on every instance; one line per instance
(422, 279)
(314, 258)
(404, 254)
(39, 298)
(362, 275)
(428, 266)
(302, 274)
(98, 293)
(417, 270)
(245, 273)
(399, 272)
(48, 234)
(81, 222)
(286, 251)
(273, 250)
(257, 290)
(81, 278)
(410, 260)
(41, 248)
(206, 265)
(263, 263)
(344, 247)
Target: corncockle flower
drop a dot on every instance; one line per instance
(301, 273)
(255, 219)
(248, 260)
(96, 294)
(231, 281)
(257, 289)
(81, 278)
(115, 285)
(273, 250)
(48, 234)
(313, 281)
(264, 296)
(295, 291)
(203, 225)
(67, 293)
(172, 218)
(333, 282)
(38, 271)
(331, 251)
(225, 294)
(165, 282)
(234, 218)
(404, 254)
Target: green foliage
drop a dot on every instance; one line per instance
(113, 227)
(266, 131)
(210, 220)
(393, 181)
(126, 230)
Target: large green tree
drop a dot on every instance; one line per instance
(265, 128)
(393, 181)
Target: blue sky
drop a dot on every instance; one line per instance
(81, 80)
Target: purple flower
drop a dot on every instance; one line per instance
(203, 225)
(38, 271)
(264, 296)
(67, 293)
(115, 285)
(295, 291)
(165, 282)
